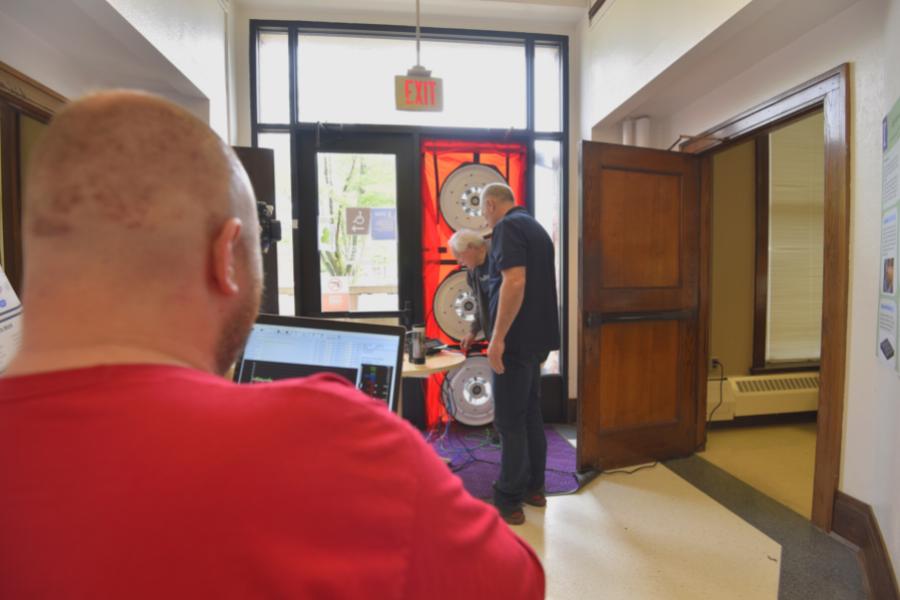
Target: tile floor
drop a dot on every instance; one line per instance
(650, 535)
(684, 529)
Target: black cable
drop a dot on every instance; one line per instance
(716, 362)
(721, 395)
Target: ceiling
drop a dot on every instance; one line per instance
(547, 11)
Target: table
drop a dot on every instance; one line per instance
(443, 361)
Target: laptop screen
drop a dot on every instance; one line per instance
(369, 356)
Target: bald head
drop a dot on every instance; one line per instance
(136, 196)
(123, 162)
(498, 199)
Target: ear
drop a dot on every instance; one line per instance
(223, 257)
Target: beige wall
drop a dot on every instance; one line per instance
(30, 132)
(732, 259)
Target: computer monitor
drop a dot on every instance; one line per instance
(369, 356)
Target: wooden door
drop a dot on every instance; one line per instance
(639, 309)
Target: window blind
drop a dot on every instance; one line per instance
(796, 241)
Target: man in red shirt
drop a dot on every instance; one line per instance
(130, 469)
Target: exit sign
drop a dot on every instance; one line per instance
(419, 93)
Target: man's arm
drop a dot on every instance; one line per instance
(475, 327)
(512, 292)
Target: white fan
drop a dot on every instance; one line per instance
(455, 306)
(471, 393)
(461, 197)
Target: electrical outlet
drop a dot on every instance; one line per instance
(713, 362)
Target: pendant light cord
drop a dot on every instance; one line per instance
(418, 57)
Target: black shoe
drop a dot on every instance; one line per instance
(536, 498)
(513, 515)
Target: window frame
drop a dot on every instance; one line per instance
(528, 136)
(761, 312)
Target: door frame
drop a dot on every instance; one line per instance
(828, 92)
(307, 146)
(20, 95)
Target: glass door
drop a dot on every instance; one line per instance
(357, 248)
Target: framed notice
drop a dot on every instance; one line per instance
(886, 342)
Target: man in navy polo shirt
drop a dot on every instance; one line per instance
(525, 318)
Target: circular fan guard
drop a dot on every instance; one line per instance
(455, 306)
(470, 392)
(461, 197)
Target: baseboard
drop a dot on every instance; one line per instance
(855, 521)
(765, 420)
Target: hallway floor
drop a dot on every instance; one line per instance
(684, 529)
(777, 460)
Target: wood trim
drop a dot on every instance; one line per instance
(596, 7)
(855, 522)
(772, 114)
(27, 95)
(835, 299)
(19, 94)
(704, 298)
(760, 312)
(831, 92)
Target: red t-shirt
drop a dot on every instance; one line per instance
(164, 482)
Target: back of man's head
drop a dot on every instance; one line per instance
(499, 193)
(125, 201)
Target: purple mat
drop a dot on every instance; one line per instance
(477, 476)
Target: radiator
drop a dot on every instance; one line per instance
(762, 395)
(774, 394)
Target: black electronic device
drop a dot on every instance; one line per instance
(432, 346)
(369, 356)
(887, 349)
(269, 228)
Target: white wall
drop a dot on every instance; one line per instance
(634, 42)
(30, 55)
(192, 35)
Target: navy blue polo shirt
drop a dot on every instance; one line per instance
(520, 241)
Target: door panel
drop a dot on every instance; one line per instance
(640, 240)
(638, 373)
(638, 301)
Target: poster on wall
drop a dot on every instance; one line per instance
(10, 322)
(886, 343)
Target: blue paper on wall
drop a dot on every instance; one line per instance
(384, 224)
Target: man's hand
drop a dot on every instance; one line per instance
(466, 342)
(495, 355)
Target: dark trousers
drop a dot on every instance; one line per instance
(517, 416)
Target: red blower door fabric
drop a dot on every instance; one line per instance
(439, 159)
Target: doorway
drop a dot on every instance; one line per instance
(604, 440)
(829, 93)
(766, 310)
